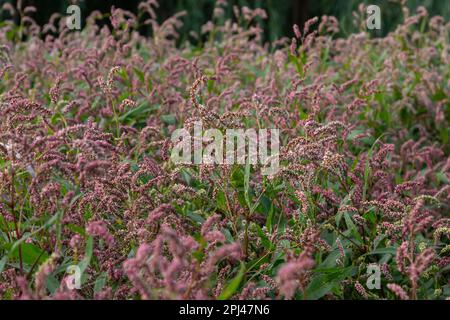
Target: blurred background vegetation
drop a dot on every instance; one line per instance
(282, 13)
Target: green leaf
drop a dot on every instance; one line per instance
(3, 262)
(169, 119)
(269, 220)
(389, 250)
(237, 178)
(247, 184)
(28, 235)
(352, 226)
(52, 284)
(233, 285)
(87, 255)
(195, 216)
(323, 283)
(140, 74)
(355, 133)
(142, 110)
(221, 201)
(30, 253)
(318, 287)
(338, 216)
(264, 240)
(441, 177)
(100, 282)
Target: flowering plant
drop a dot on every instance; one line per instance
(86, 178)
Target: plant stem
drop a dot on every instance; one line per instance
(13, 213)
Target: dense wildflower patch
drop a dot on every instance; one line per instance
(86, 177)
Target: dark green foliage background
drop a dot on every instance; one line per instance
(282, 13)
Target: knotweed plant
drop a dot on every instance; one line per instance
(87, 182)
